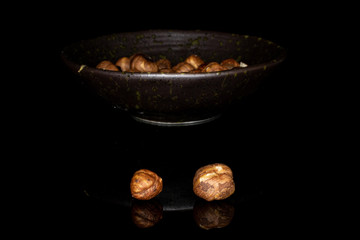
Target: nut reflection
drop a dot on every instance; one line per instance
(216, 214)
(146, 214)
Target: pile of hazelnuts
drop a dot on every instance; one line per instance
(193, 64)
(211, 182)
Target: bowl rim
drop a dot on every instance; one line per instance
(264, 65)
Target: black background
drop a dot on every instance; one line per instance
(89, 145)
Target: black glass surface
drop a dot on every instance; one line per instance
(103, 147)
(98, 148)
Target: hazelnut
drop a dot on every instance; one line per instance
(195, 71)
(199, 69)
(183, 67)
(213, 67)
(107, 65)
(145, 184)
(123, 63)
(230, 63)
(163, 64)
(194, 60)
(140, 63)
(166, 70)
(214, 182)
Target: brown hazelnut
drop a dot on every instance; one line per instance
(145, 184)
(107, 65)
(214, 182)
(163, 64)
(230, 63)
(140, 63)
(123, 63)
(195, 71)
(201, 67)
(166, 70)
(183, 67)
(194, 60)
(213, 67)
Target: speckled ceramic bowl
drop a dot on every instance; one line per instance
(174, 98)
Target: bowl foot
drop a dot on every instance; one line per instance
(175, 124)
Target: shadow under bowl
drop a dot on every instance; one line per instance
(174, 99)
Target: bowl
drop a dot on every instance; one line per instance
(174, 99)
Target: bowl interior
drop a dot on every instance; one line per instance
(175, 46)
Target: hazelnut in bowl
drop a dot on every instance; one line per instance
(182, 94)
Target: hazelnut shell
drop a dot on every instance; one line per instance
(107, 65)
(214, 182)
(145, 184)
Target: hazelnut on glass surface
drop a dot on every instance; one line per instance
(214, 182)
(107, 65)
(145, 184)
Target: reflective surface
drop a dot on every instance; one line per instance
(176, 124)
(93, 150)
(105, 147)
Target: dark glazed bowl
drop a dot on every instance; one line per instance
(174, 98)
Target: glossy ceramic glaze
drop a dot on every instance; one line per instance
(174, 98)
